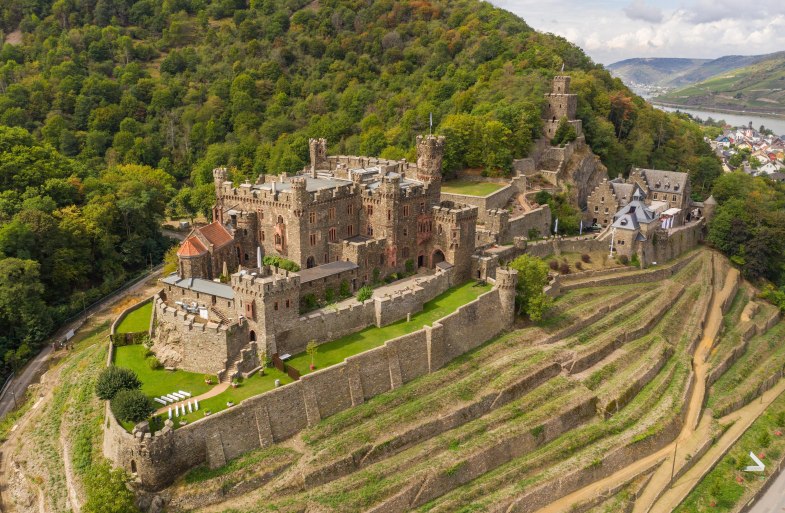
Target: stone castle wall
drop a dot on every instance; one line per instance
(349, 317)
(181, 341)
(277, 415)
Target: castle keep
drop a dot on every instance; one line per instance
(346, 221)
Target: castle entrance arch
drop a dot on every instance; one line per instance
(437, 257)
(252, 336)
(311, 262)
(420, 261)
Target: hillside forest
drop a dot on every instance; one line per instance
(113, 114)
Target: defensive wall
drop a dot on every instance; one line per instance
(157, 458)
(128, 338)
(351, 316)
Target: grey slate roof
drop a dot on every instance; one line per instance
(200, 285)
(323, 271)
(311, 184)
(665, 181)
(623, 191)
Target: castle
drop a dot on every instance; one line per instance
(346, 221)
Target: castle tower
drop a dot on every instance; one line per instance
(507, 282)
(318, 150)
(219, 177)
(560, 104)
(430, 151)
(709, 208)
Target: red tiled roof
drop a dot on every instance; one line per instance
(216, 234)
(191, 247)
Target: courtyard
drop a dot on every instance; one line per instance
(336, 351)
(470, 188)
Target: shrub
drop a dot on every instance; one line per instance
(281, 263)
(364, 294)
(309, 302)
(107, 491)
(553, 264)
(376, 274)
(344, 291)
(565, 133)
(329, 294)
(542, 197)
(586, 258)
(533, 234)
(153, 363)
(113, 379)
(564, 268)
(532, 277)
(579, 265)
(623, 260)
(635, 261)
(131, 406)
(409, 266)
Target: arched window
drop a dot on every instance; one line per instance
(277, 239)
(280, 219)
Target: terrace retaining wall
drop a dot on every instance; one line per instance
(157, 459)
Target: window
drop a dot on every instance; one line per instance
(331, 213)
(350, 230)
(422, 207)
(287, 303)
(369, 231)
(262, 236)
(350, 209)
(655, 195)
(369, 209)
(278, 240)
(440, 229)
(596, 208)
(674, 197)
(275, 306)
(312, 217)
(389, 214)
(280, 219)
(603, 199)
(313, 239)
(606, 210)
(405, 232)
(333, 235)
(406, 211)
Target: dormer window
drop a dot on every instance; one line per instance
(676, 187)
(657, 185)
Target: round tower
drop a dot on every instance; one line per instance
(507, 283)
(220, 176)
(709, 208)
(430, 151)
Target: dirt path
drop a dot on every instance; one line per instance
(686, 440)
(218, 389)
(13, 452)
(742, 419)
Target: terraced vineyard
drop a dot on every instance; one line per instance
(597, 393)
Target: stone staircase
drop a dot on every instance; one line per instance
(231, 368)
(217, 313)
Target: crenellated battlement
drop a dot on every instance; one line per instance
(271, 282)
(454, 214)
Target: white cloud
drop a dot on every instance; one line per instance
(640, 10)
(612, 30)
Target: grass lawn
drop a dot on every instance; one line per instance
(471, 188)
(255, 385)
(161, 381)
(338, 350)
(136, 321)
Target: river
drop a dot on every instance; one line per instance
(774, 124)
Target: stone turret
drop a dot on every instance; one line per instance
(299, 192)
(318, 150)
(220, 175)
(430, 152)
(507, 282)
(709, 208)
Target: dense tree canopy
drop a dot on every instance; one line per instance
(749, 224)
(113, 111)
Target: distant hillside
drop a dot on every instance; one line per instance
(759, 87)
(653, 76)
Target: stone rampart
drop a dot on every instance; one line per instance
(536, 219)
(185, 342)
(277, 415)
(128, 338)
(351, 316)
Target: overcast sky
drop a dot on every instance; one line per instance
(612, 30)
